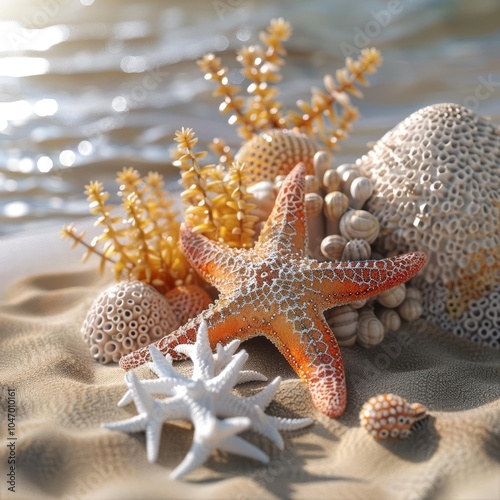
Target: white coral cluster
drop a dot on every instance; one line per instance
(125, 317)
(206, 399)
(436, 179)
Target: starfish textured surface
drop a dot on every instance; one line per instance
(203, 399)
(275, 290)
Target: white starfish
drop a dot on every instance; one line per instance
(207, 401)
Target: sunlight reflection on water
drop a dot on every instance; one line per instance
(87, 88)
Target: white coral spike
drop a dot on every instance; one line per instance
(206, 400)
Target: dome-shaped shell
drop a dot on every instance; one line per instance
(276, 152)
(125, 317)
(389, 416)
(436, 179)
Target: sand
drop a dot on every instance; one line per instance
(59, 397)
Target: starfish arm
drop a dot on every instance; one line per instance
(355, 280)
(134, 424)
(264, 397)
(217, 263)
(224, 324)
(228, 377)
(250, 376)
(200, 353)
(162, 386)
(162, 366)
(308, 344)
(285, 230)
(290, 424)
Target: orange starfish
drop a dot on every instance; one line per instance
(275, 290)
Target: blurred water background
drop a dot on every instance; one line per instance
(90, 86)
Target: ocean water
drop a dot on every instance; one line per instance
(90, 86)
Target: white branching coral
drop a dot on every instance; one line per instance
(206, 400)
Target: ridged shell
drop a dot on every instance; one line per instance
(321, 162)
(370, 330)
(336, 205)
(393, 297)
(357, 249)
(359, 224)
(333, 246)
(389, 318)
(389, 416)
(343, 321)
(276, 152)
(332, 180)
(313, 204)
(410, 309)
(312, 184)
(361, 189)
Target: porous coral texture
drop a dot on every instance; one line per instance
(125, 317)
(437, 189)
(274, 153)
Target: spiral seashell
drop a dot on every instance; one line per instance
(187, 301)
(389, 416)
(393, 297)
(361, 189)
(343, 321)
(276, 152)
(123, 317)
(332, 180)
(357, 249)
(410, 309)
(333, 246)
(389, 318)
(359, 224)
(370, 329)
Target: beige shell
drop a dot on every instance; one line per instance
(370, 329)
(335, 206)
(392, 297)
(263, 197)
(312, 184)
(343, 321)
(361, 189)
(348, 177)
(321, 163)
(333, 246)
(389, 318)
(357, 249)
(358, 304)
(390, 416)
(313, 204)
(359, 224)
(413, 293)
(410, 309)
(276, 152)
(125, 317)
(332, 181)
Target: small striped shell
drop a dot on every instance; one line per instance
(389, 416)
(276, 152)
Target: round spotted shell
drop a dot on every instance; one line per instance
(276, 152)
(389, 416)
